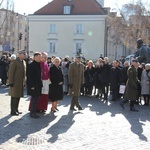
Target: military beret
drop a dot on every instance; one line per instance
(22, 52)
(78, 56)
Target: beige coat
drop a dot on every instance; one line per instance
(76, 77)
(16, 76)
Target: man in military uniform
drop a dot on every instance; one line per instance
(76, 80)
(16, 77)
(131, 91)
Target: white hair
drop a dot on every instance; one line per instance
(44, 53)
(13, 57)
(56, 58)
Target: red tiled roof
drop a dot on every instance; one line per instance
(79, 7)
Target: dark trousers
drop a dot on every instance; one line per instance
(14, 104)
(34, 102)
(132, 104)
(105, 90)
(4, 80)
(146, 99)
(115, 93)
(75, 102)
(89, 89)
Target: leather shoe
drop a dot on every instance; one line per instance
(57, 109)
(18, 112)
(133, 109)
(14, 114)
(80, 108)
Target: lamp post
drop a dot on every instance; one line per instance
(106, 50)
(18, 32)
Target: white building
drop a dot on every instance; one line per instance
(64, 27)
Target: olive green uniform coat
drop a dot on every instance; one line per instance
(16, 76)
(76, 77)
(131, 91)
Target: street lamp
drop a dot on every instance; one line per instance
(18, 32)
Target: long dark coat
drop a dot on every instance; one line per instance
(16, 76)
(89, 76)
(115, 78)
(55, 90)
(124, 76)
(131, 91)
(97, 76)
(105, 73)
(76, 77)
(3, 69)
(34, 79)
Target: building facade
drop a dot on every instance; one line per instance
(68, 26)
(13, 31)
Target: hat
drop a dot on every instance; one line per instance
(22, 52)
(135, 60)
(78, 56)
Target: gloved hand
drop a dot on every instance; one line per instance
(11, 84)
(70, 85)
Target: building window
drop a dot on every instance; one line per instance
(67, 9)
(53, 28)
(78, 47)
(79, 28)
(52, 47)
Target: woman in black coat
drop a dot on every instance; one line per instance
(56, 86)
(89, 78)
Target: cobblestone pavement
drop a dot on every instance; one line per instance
(100, 126)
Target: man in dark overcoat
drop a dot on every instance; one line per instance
(105, 77)
(34, 83)
(76, 80)
(131, 91)
(16, 77)
(115, 74)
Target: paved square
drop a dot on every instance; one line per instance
(100, 126)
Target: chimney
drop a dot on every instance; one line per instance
(101, 2)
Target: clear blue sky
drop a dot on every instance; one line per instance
(30, 6)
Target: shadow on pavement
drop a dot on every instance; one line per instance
(22, 127)
(63, 124)
(100, 106)
(135, 119)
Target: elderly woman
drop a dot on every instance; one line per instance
(98, 81)
(56, 86)
(89, 78)
(145, 84)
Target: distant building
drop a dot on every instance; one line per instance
(11, 26)
(65, 27)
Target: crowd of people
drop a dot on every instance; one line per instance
(50, 78)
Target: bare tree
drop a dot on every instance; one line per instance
(132, 23)
(6, 19)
